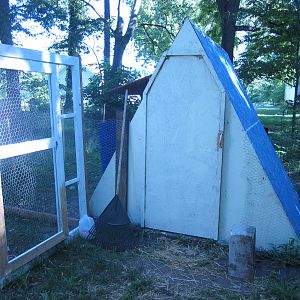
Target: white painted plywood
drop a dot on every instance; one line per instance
(247, 194)
(105, 189)
(136, 165)
(185, 111)
(186, 41)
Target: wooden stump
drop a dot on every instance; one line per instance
(242, 252)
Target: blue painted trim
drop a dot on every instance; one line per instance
(261, 143)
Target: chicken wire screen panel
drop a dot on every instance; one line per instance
(28, 186)
(73, 205)
(65, 89)
(69, 149)
(24, 106)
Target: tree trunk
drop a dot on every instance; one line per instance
(14, 128)
(73, 46)
(106, 52)
(228, 10)
(121, 41)
(5, 28)
(297, 75)
(296, 95)
(12, 77)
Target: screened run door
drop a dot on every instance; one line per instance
(33, 208)
(185, 117)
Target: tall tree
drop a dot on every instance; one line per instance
(15, 127)
(80, 25)
(75, 10)
(12, 77)
(228, 10)
(5, 28)
(122, 40)
(159, 23)
(106, 32)
(272, 47)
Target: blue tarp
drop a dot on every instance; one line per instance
(107, 138)
(254, 129)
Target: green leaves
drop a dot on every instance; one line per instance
(158, 24)
(263, 90)
(271, 46)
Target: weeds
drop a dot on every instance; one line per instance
(285, 254)
(137, 288)
(282, 289)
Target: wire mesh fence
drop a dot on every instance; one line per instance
(29, 201)
(28, 182)
(102, 139)
(100, 148)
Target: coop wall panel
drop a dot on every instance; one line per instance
(136, 165)
(186, 43)
(262, 145)
(247, 194)
(105, 189)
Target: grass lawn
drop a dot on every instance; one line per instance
(162, 267)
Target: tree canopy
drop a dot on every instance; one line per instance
(271, 31)
(272, 44)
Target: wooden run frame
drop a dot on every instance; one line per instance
(20, 59)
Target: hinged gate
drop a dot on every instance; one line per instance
(37, 161)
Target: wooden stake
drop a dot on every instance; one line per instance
(242, 252)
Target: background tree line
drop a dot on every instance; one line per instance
(269, 31)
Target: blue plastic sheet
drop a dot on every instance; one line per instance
(107, 141)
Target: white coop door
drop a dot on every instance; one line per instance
(185, 118)
(34, 214)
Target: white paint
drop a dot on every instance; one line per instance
(34, 55)
(186, 42)
(136, 165)
(29, 60)
(78, 111)
(20, 64)
(86, 74)
(67, 116)
(72, 181)
(137, 155)
(182, 168)
(105, 189)
(247, 194)
(12, 150)
(58, 155)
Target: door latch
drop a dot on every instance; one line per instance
(220, 142)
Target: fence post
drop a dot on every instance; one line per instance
(242, 252)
